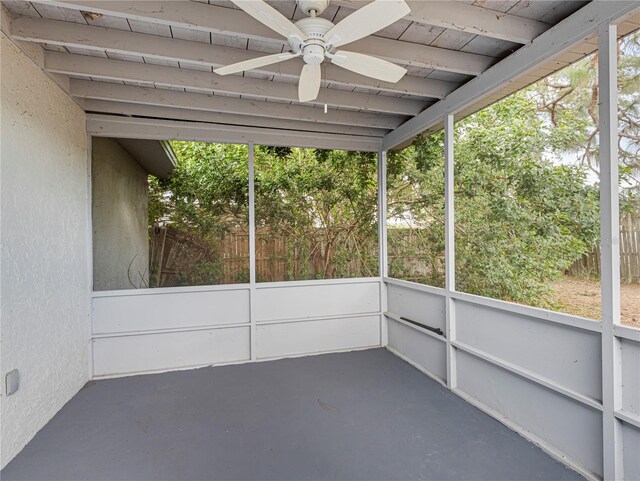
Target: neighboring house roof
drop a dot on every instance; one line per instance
(156, 157)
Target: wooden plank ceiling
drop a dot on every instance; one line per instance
(154, 59)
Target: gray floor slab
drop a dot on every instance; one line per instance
(361, 415)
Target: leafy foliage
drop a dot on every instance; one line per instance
(415, 211)
(206, 197)
(209, 189)
(525, 211)
(568, 100)
(521, 219)
(323, 203)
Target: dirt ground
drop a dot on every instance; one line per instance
(582, 297)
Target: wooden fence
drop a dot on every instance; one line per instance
(174, 255)
(176, 258)
(589, 264)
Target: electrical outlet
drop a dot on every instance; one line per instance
(12, 382)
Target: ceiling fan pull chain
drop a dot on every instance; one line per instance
(324, 68)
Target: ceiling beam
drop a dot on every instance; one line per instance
(559, 39)
(232, 22)
(169, 98)
(170, 113)
(34, 51)
(207, 82)
(215, 56)
(464, 17)
(129, 128)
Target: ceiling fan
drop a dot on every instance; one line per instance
(314, 38)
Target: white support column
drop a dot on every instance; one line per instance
(89, 240)
(382, 240)
(610, 248)
(449, 250)
(382, 212)
(252, 249)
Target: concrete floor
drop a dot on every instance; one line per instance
(360, 415)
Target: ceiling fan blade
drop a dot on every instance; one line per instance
(255, 63)
(309, 84)
(366, 20)
(370, 66)
(266, 14)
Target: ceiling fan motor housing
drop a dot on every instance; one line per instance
(313, 47)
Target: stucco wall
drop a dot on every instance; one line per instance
(45, 301)
(120, 206)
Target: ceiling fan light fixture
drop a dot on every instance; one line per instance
(313, 54)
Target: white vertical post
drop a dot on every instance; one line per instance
(382, 213)
(449, 250)
(382, 241)
(252, 249)
(89, 241)
(610, 259)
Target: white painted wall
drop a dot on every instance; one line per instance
(120, 207)
(45, 298)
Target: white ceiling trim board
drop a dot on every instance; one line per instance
(149, 96)
(121, 127)
(171, 113)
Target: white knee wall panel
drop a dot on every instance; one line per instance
(310, 300)
(169, 350)
(308, 337)
(154, 309)
(419, 348)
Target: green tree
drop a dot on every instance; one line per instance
(322, 205)
(415, 211)
(568, 100)
(205, 198)
(524, 213)
(209, 188)
(521, 219)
